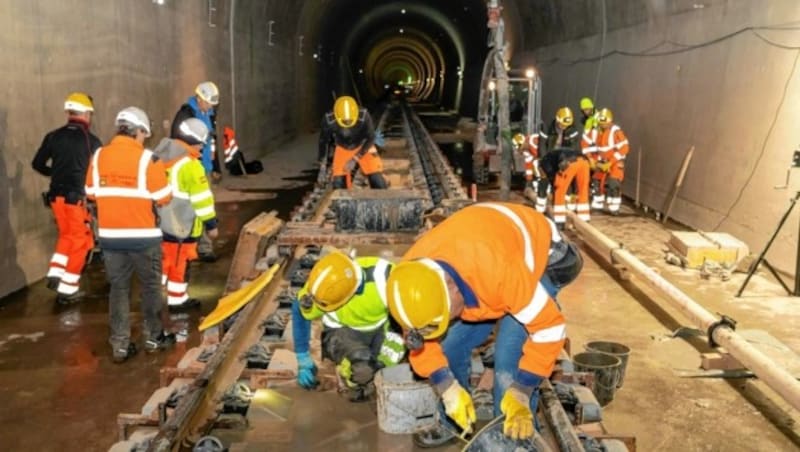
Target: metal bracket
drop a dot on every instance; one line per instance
(271, 33)
(212, 11)
(723, 321)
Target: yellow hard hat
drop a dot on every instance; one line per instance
(586, 103)
(80, 102)
(564, 117)
(518, 139)
(333, 280)
(605, 117)
(345, 110)
(418, 298)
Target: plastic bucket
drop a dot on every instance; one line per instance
(621, 351)
(404, 405)
(605, 368)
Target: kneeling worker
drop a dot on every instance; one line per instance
(351, 129)
(443, 286)
(350, 297)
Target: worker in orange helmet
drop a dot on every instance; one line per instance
(351, 129)
(69, 150)
(607, 147)
(442, 286)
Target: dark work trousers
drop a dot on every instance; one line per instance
(120, 266)
(360, 347)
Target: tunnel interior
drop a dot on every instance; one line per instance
(422, 49)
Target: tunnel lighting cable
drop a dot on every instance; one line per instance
(648, 53)
(764, 145)
(602, 51)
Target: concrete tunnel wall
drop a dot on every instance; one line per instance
(737, 101)
(131, 53)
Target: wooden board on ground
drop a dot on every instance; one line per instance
(696, 247)
(252, 244)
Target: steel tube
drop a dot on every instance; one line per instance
(775, 376)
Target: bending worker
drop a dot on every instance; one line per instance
(562, 162)
(69, 149)
(350, 127)
(350, 297)
(443, 286)
(189, 213)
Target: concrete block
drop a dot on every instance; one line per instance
(150, 408)
(697, 247)
(378, 210)
(122, 446)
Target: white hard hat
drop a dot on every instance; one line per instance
(209, 92)
(134, 117)
(193, 131)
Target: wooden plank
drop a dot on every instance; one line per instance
(719, 361)
(252, 243)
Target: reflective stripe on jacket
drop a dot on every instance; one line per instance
(366, 310)
(126, 180)
(500, 250)
(189, 183)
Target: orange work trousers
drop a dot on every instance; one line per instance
(579, 172)
(174, 259)
(369, 163)
(75, 240)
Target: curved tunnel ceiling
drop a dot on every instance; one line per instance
(421, 47)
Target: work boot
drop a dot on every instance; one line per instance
(123, 354)
(66, 300)
(163, 341)
(186, 305)
(434, 436)
(53, 282)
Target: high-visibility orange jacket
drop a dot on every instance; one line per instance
(611, 144)
(500, 250)
(126, 179)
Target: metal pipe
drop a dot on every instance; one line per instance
(775, 376)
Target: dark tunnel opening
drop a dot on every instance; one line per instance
(432, 53)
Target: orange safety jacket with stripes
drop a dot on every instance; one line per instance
(126, 180)
(610, 144)
(500, 251)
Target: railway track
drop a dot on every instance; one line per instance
(210, 389)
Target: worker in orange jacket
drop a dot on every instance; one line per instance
(127, 181)
(606, 147)
(351, 129)
(530, 152)
(487, 264)
(69, 150)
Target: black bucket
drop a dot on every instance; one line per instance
(621, 351)
(606, 373)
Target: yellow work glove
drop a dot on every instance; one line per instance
(604, 167)
(458, 405)
(345, 371)
(516, 405)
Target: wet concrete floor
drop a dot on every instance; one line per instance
(59, 389)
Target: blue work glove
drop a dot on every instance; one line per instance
(306, 371)
(379, 140)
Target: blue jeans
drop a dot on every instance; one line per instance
(463, 337)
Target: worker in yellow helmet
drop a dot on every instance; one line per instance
(68, 151)
(589, 119)
(352, 132)
(349, 295)
(607, 146)
(488, 265)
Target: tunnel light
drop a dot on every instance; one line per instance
(158, 2)
(402, 31)
(403, 11)
(492, 85)
(316, 56)
(361, 71)
(530, 73)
